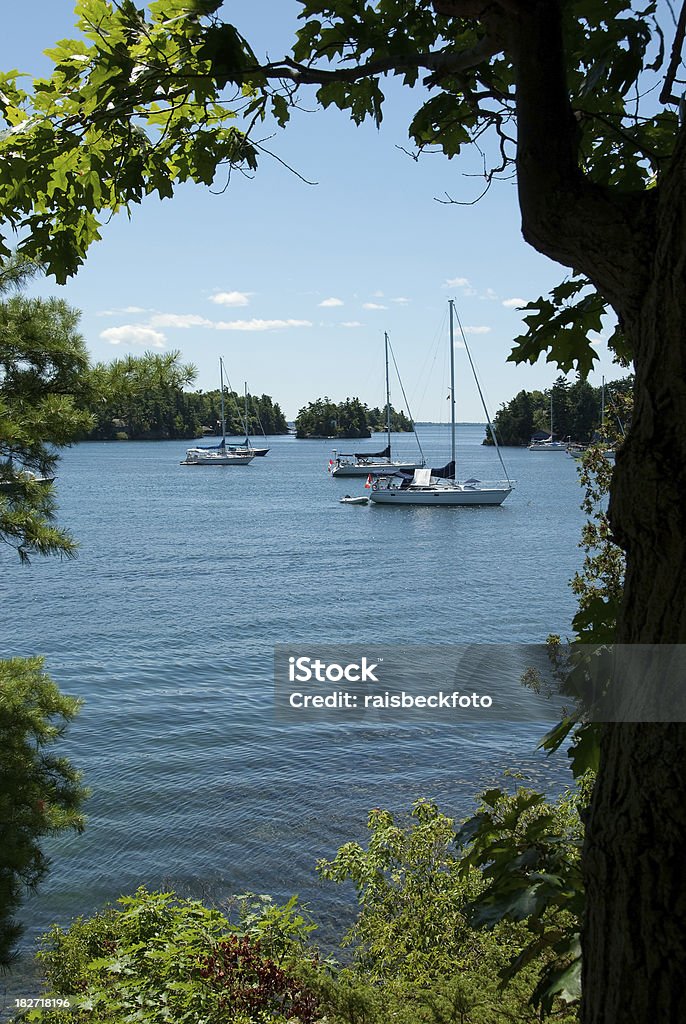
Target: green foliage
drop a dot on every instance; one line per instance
(324, 418)
(143, 398)
(40, 794)
(419, 956)
(132, 107)
(351, 419)
(400, 423)
(563, 329)
(576, 411)
(417, 886)
(528, 852)
(139, 396)
(43, 388)
(599, 585)
(161, 958)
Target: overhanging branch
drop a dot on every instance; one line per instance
(440, 63)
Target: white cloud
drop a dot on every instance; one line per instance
(513, 303)
(490, 295)
(259, 325)
(401, 300)
(230, 298)
(179, 320)
(477, 330)
(352, 323)
(373, 305)
(377, 295)
(462, 283)
(327, 303)
(118, 312)
(134, 334)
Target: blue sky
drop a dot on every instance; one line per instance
(295, 284)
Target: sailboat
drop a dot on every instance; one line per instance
(577, 450)
(547, 444)
(364, 463)
(247, 448)
(439, 486)
(220, 454)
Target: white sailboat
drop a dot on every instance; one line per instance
(439, 486)
(548, 444)
(248, 448)
(220, 454)
(364, 463)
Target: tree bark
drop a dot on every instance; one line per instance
(633, 247)
(635, 853)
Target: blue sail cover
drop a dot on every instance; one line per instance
(213, 447)
(445, 472)
(385, 454)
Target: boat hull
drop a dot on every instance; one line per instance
(254, 452)
(217, 460)
(447, 497)
(362, 500)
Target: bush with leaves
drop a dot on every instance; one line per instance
(415, 937)
(161, 958)
(40, 793)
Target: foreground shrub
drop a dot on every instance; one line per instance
(161, 958)
(455, 926)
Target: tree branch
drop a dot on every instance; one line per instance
(675, 59)
(564, 215)
(441, 63)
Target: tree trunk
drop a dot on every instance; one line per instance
(633, 247)
(635, 855)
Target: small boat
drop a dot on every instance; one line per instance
(547, 444)
(220, 454)
(439, 486)
(349, 499)
(23, 476)
(363, 463)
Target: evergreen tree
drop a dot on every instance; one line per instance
(43, 386)
(40, 793)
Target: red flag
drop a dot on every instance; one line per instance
(369, 481)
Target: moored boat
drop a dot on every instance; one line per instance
(363, 463)
(438, 487)
(220, 454)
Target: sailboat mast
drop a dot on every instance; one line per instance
(452, 383)
(221, 385)
(388, 399)
(247, 433)
(551, 416)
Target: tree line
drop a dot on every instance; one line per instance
(348, 419)
(576, 408)
(145, 398)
